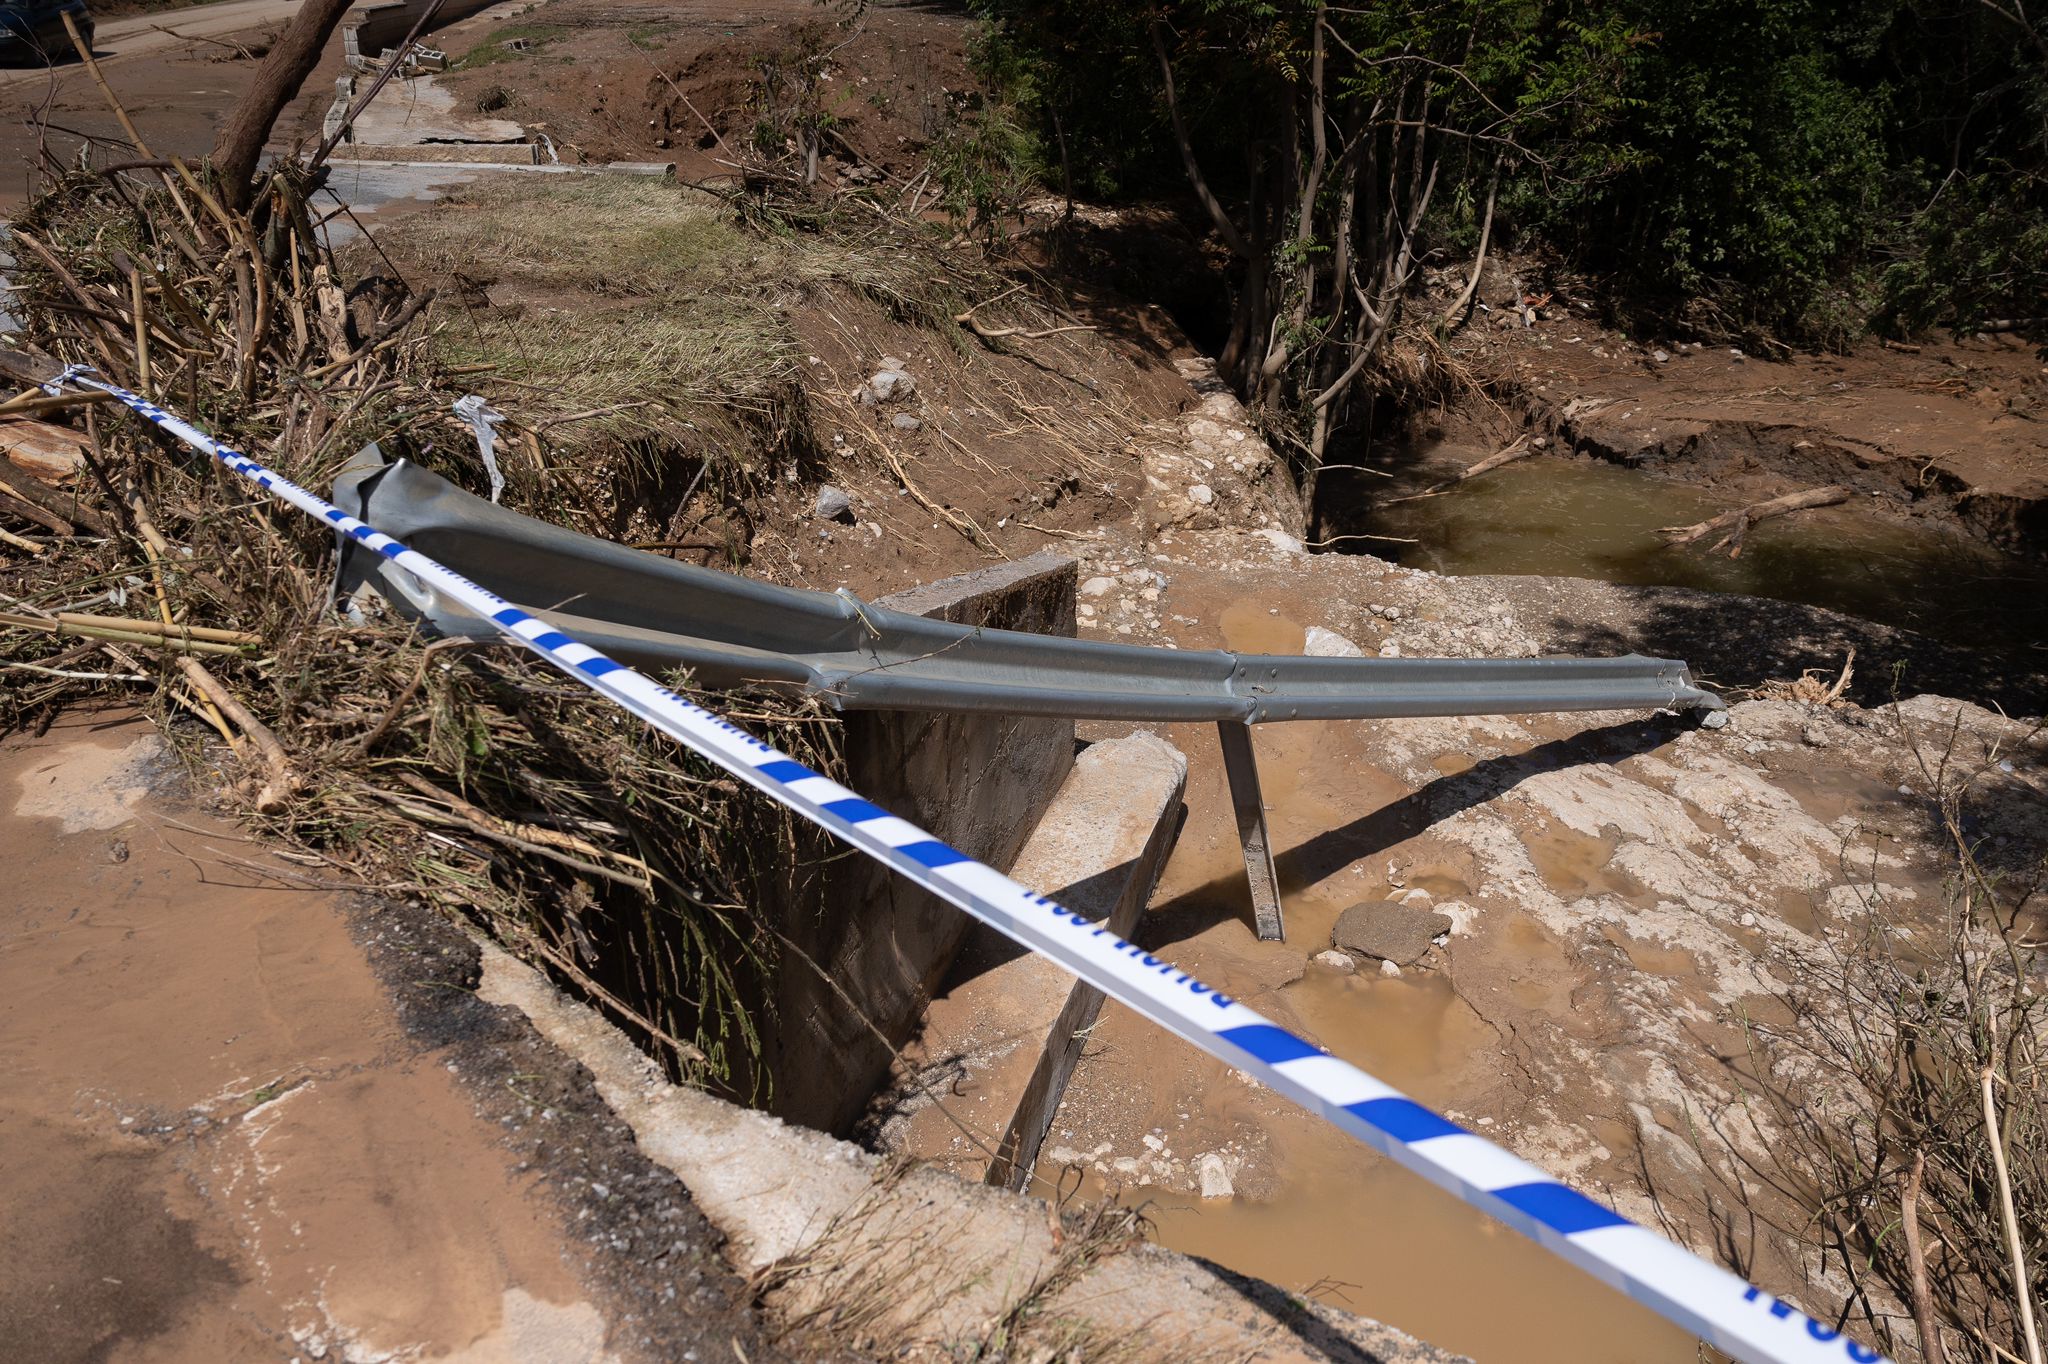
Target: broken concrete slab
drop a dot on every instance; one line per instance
(1004, 1035)
(1386, 930)
(877, 1252)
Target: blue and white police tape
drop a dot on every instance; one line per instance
(1710, 1302)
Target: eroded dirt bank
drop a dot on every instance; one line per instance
(242, 1121)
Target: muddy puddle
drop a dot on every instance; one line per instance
(1344, 1225)
(1314, 1210)
(1586, 519)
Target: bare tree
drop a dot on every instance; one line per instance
(284, 70)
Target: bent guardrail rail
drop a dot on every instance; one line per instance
(659, 614)
(1693, 1292)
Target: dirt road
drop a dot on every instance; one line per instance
(217, 1139)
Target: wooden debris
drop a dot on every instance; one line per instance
(51, 454)
(1733, 526)
(1520, 448)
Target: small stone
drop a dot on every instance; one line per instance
(1215, 1176)
(1388, 968)
(1323, 643)
(1814, 735)
(903, 421)
(833, 504)
(1661, 356)
(1390, 650)
(1096, 587)
(1153, 1144)
(1392, 613)
(889, 385)
(1201, 495)
(1388, 931)
(1415, 895)
(1331, 959)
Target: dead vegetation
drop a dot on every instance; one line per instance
(1908, 1092)
(461, 774)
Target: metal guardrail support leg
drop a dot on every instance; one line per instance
(1243, 770)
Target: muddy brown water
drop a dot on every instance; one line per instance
(1332, 1218)
(1587, 519)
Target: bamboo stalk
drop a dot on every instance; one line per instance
(141, 332)
(146, 638)
(170, 629)
(8, 537)
(92, 69)
(43, 402)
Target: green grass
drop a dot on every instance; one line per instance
(493, 49)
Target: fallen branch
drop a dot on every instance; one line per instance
(1733, 526)
(1520, 448)
(66, 506)
(281, 784)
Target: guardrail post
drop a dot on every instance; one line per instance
(1242, 767)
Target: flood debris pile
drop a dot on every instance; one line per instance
(457, 772)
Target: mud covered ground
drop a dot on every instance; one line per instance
(244, 1118)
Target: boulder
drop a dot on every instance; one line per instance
(1387, 931)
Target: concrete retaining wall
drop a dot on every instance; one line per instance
(881, 945)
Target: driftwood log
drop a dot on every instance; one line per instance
(1733, 526)
(1519, 448)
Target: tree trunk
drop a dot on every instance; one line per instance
(284, 70)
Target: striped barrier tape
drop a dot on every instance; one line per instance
(1699, 1296)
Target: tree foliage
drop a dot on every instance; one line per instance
(1802, 164)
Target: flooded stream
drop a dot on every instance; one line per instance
(1588, 519)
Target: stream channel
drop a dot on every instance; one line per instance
(1581, 518)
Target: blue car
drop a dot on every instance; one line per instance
(32, 31)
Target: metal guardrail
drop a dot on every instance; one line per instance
(661, 614)
(727, 630)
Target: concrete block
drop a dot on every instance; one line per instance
(1001, 1040)
(882, 945)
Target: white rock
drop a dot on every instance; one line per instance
(1201, 495)
(1329, 644)
(1660, 355)
(1334, 960)
(1215, 1176)
(1282, 541)
(1096, 587)
(1390, 650)
(903, 421)
(888, 385)
(1388, 968)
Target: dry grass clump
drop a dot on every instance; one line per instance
(1912, 1097)
(607, 234)
(463, 774)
